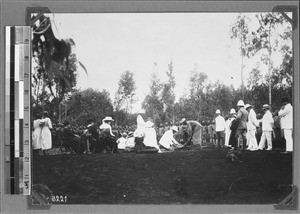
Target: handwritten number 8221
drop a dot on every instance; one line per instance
(59, 199)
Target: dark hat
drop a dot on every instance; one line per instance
(284, 100)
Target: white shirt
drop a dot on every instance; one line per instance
(220, 123)
(286, 117)
(252, 120)
(121, 143)
(106, 126)
(167, 139)
(130, 142)
(267, 121)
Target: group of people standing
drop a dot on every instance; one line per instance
(240, 129)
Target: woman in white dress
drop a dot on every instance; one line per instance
(37, 133)
(46, 133)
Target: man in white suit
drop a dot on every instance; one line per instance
(267, 129)
(252, 124)
(286, 122)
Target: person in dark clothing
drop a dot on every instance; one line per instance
(70, 139)
(233, 141)
(92, 137)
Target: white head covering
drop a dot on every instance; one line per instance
(140, 130)
(175, 128)
(149, 124)
(247, 106)
(218, 111)
(232, 111)
(107, 118)
(241, 103)
(140, 121)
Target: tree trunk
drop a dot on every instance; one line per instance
(59, 112)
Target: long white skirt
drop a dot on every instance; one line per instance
(46, 138)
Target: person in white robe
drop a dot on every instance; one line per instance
(150, 135)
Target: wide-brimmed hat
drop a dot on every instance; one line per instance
(232, 111)
(107, 118)
(149, 124)
(241, 103)
(247, 106)
(218, 111)
(265, 106)
(174, 128)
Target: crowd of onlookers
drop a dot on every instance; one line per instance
(241, 129)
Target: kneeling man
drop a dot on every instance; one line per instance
(167, 141)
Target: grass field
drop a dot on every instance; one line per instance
(195, 176)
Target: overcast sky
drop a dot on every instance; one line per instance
(110, 43)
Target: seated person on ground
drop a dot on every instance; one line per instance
(130, 142)
(122, 142)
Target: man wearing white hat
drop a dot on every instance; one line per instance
(167, 141)
(227, 126)
(106, 124)
(220, 128)
(252, 124)
(242, 116)
(267, 128)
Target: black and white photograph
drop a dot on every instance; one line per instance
(162, 108)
